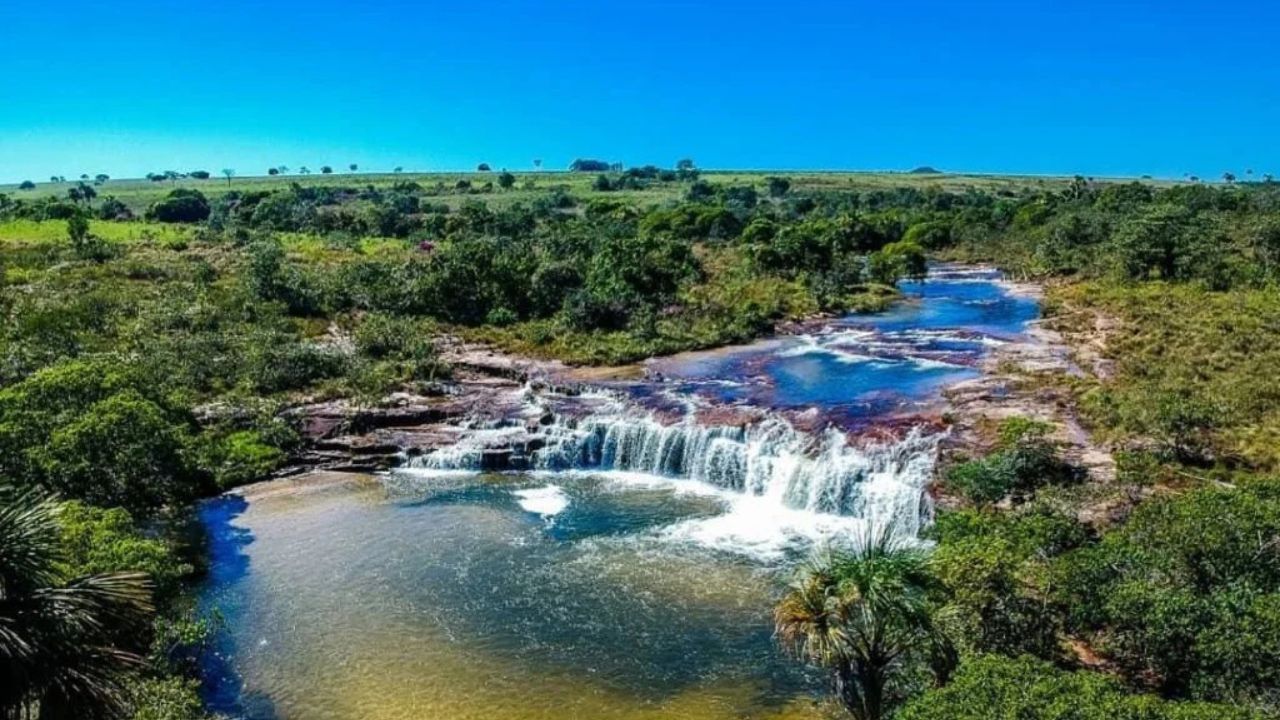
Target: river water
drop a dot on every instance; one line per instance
(628, 572)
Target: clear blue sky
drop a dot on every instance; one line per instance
(1092, 86)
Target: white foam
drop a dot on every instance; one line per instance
(761, 529)
(812, 347)
(921, 363)
(808, 345)
(545, 501)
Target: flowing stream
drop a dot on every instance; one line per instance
(624, 563)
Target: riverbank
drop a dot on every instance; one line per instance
(494, 389)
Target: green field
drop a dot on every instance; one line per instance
(139, 193)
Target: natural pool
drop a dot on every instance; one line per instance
(459, 598)
(632, 576)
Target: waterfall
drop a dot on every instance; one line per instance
(769, 461)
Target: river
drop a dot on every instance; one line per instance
(627, 569)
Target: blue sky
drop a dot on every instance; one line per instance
(1101, 88)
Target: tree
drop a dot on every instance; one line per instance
(77, 229)
(863, 614)
(229, 172)
(398, 169)
(181, 205)
(684, 164)
(588, 165)
(902, 259)
(67, 646)
(537, 163)
(353, 167)
(84, 176)
(326, 170)
(273, 171)
(1228, 177)
(506, 180)
(1166, 240)
(304, 170)
(778, 186)
(199, 174)
(701, 190)
(27, 185)
(602, 183)
(284, 169)
(483, 167)
(101, 178)
(112, 208)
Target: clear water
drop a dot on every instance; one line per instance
(479, 596)
(866, 366)
(631, 576)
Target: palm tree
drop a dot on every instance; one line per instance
(864, 614)
(66, 646)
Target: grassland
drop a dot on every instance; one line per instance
(138, 194)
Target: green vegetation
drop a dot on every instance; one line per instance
(1024, 460)
(69, 641)
(998, 688)
(1153, 596)
(864, 615)
(153, 331)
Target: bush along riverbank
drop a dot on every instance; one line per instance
(146, 363)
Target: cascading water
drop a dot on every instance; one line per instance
(768, 461)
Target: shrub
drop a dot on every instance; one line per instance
(988, 687)
(1183, 594)
(121, 451)
(166, 698)
(112, 209)
(897, 260)
(98, 540)
(501, 316)
(238, 457)
(181, 205)
(1025, 459)
(97, 431)
(292, 366)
